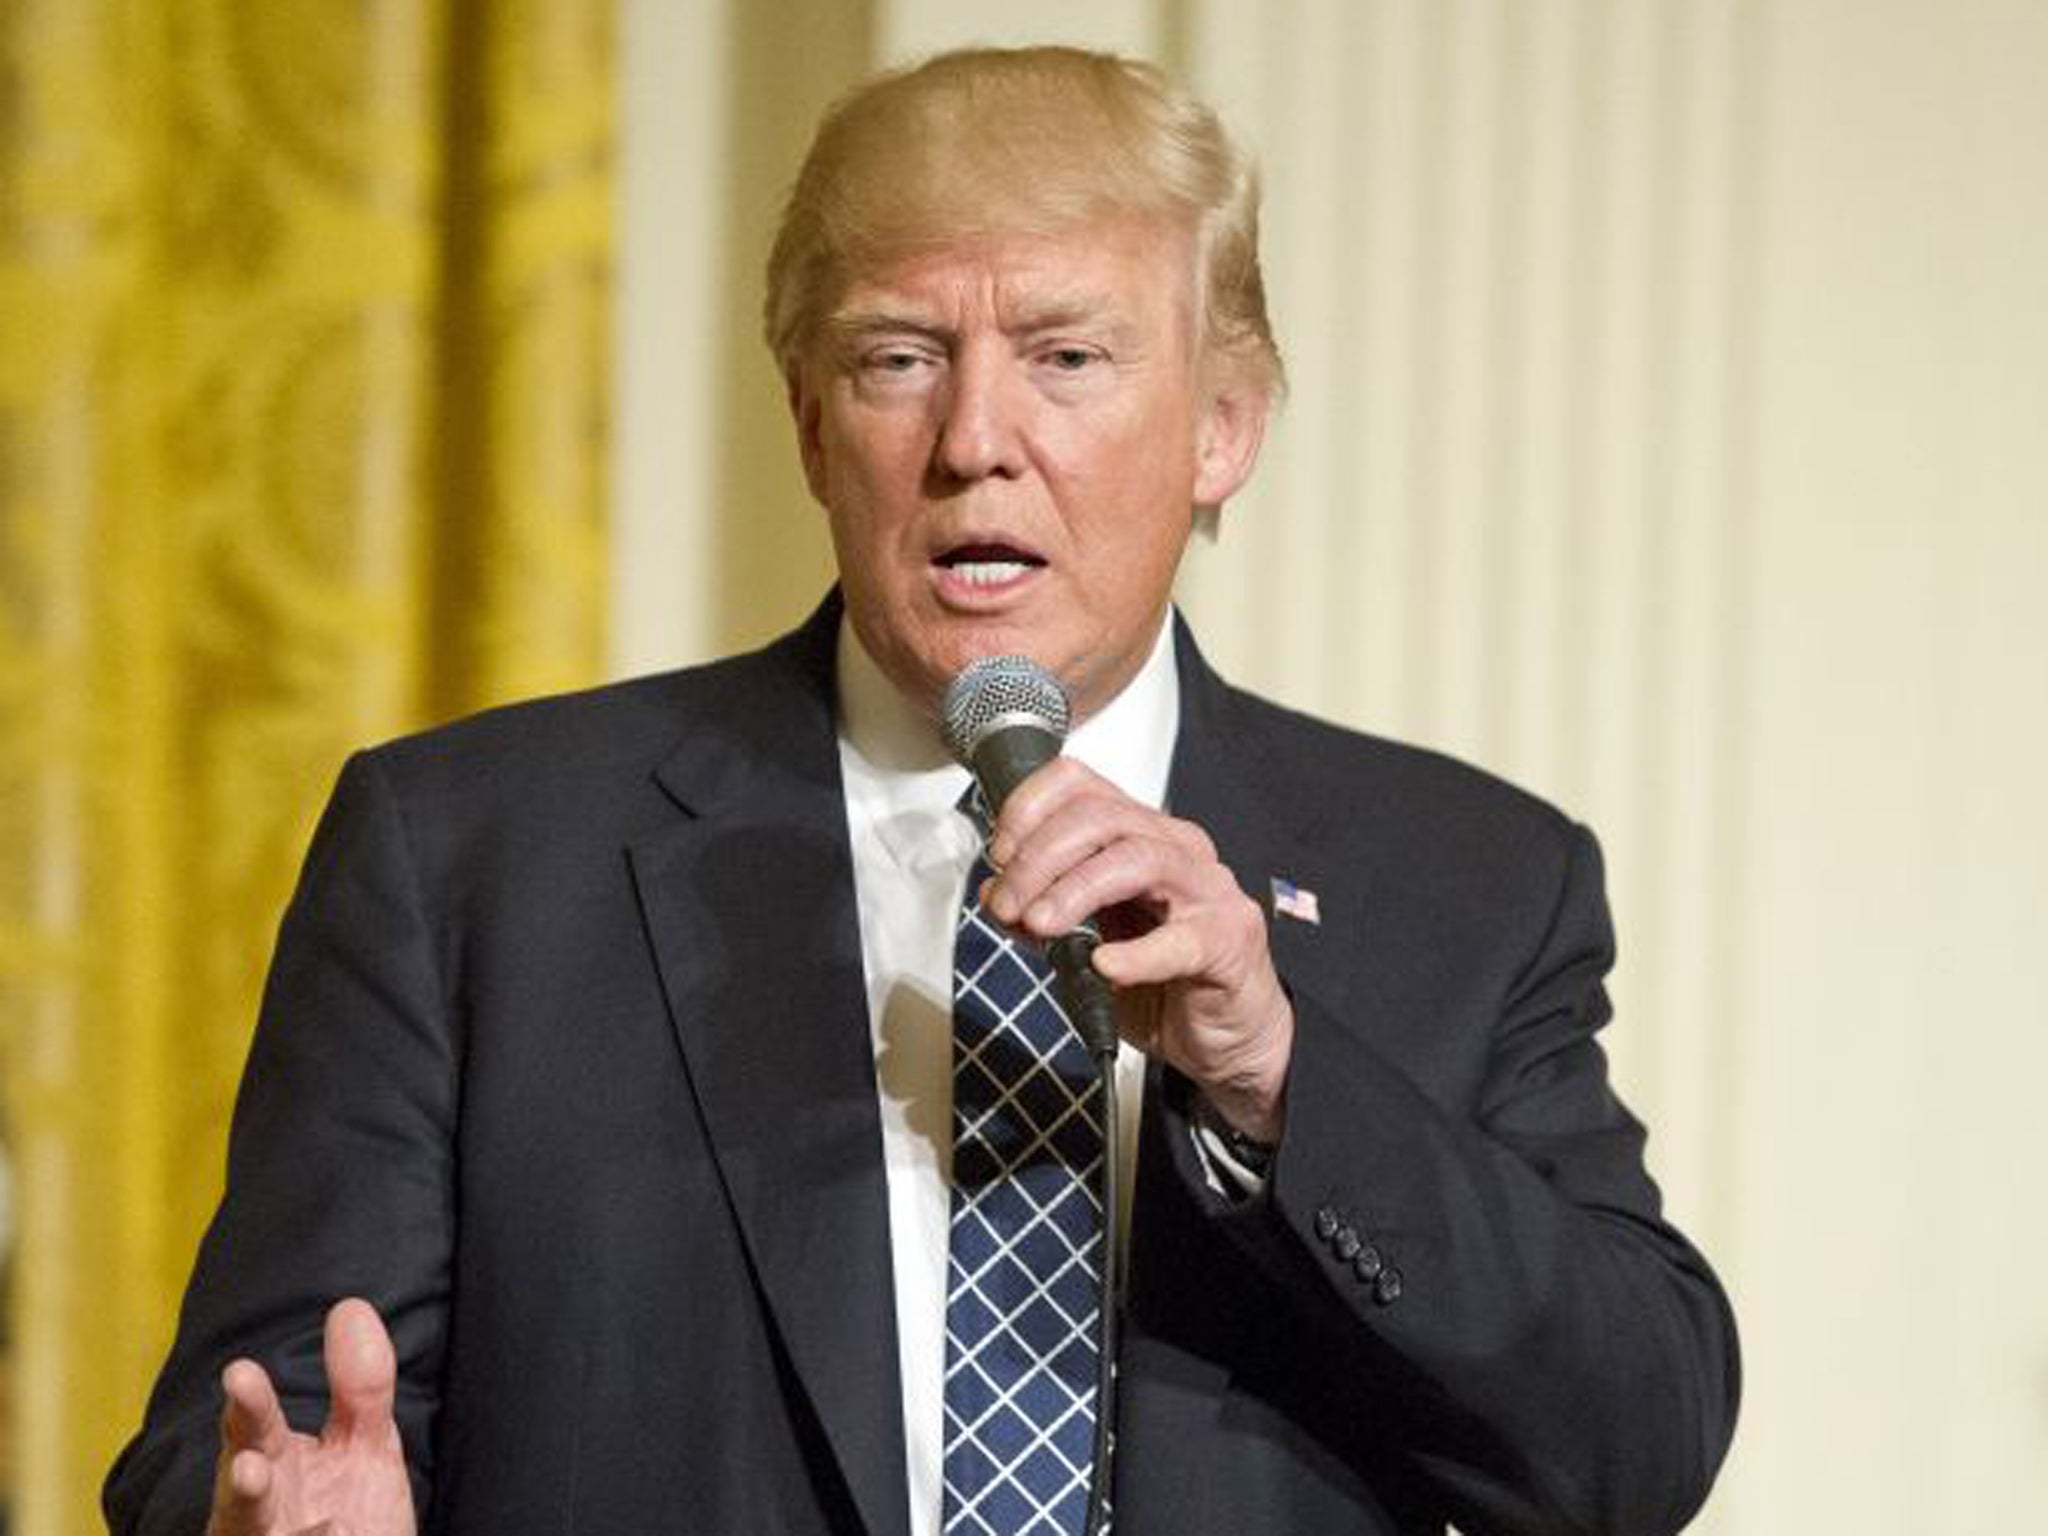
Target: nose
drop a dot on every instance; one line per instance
(981, 425)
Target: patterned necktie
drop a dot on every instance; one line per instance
(1022, 1276)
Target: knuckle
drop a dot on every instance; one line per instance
(1187, 836)
(1059, 778)
(1247, 920)
(1090, 882)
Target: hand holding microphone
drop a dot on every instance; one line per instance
(1181, 946)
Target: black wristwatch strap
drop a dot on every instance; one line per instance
(1253, 1156)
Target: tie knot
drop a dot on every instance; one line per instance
(974, 806)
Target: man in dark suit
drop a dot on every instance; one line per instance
(596, 1059)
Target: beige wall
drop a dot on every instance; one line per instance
(1670, 432)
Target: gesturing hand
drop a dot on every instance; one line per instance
(349, 1480)
(1184, 946)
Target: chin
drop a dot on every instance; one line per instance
(986, 639)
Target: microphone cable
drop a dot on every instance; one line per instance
(1091, 1009)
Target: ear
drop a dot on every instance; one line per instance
(1227, 442)
(806, 411)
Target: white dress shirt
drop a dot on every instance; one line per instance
(912, 850)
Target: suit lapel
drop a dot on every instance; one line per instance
(749, 902)
(1241, 787)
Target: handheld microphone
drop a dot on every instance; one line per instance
(1004, 718)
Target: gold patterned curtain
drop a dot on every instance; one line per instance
(303, 323)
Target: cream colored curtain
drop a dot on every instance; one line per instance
(302, 319)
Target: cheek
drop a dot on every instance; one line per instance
(1146, 491)
(876, 465)
(874, 540)
(1124, 465)
(1151, 514)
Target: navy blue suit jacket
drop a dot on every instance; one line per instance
(564, 1063)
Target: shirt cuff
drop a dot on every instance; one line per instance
(1223, 1171)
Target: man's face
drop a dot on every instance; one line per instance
(1008, 437)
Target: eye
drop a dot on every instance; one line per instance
(893, 359)
(1070, 359)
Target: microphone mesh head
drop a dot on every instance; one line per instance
(1011, 690)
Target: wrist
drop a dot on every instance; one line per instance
(1249, 1097)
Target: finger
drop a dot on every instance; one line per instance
(241, 1494)
(1081, 829)
(1220, 944)
(1042, 793)
(1142, 875)
(1040, 864)
(362, 1371)
(1128, 878)
(251, 1418)
(250, 1477)
(1169, 952)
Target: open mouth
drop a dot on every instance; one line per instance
(989, 565)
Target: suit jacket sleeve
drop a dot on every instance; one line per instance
(339, 1167)
(1481, 1248)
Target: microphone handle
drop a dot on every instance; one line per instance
(1090, 1005)
(1007, 756)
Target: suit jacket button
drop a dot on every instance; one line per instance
(1326, 1223)
(1347, 1243)
(1368, 1264)
(1387, 1289)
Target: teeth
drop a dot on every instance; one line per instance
(989, 573)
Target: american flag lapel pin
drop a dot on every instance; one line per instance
(1297, 902)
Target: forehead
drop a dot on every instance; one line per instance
(1130, 272)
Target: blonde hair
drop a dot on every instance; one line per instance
(990, 141)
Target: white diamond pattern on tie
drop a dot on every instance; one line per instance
(1023, 1284)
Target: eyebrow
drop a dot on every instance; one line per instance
(1086, 311)
(1060, 312)
(861, 323)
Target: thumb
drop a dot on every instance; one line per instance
(362, 1371)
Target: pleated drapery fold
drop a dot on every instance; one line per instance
(302, 416)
